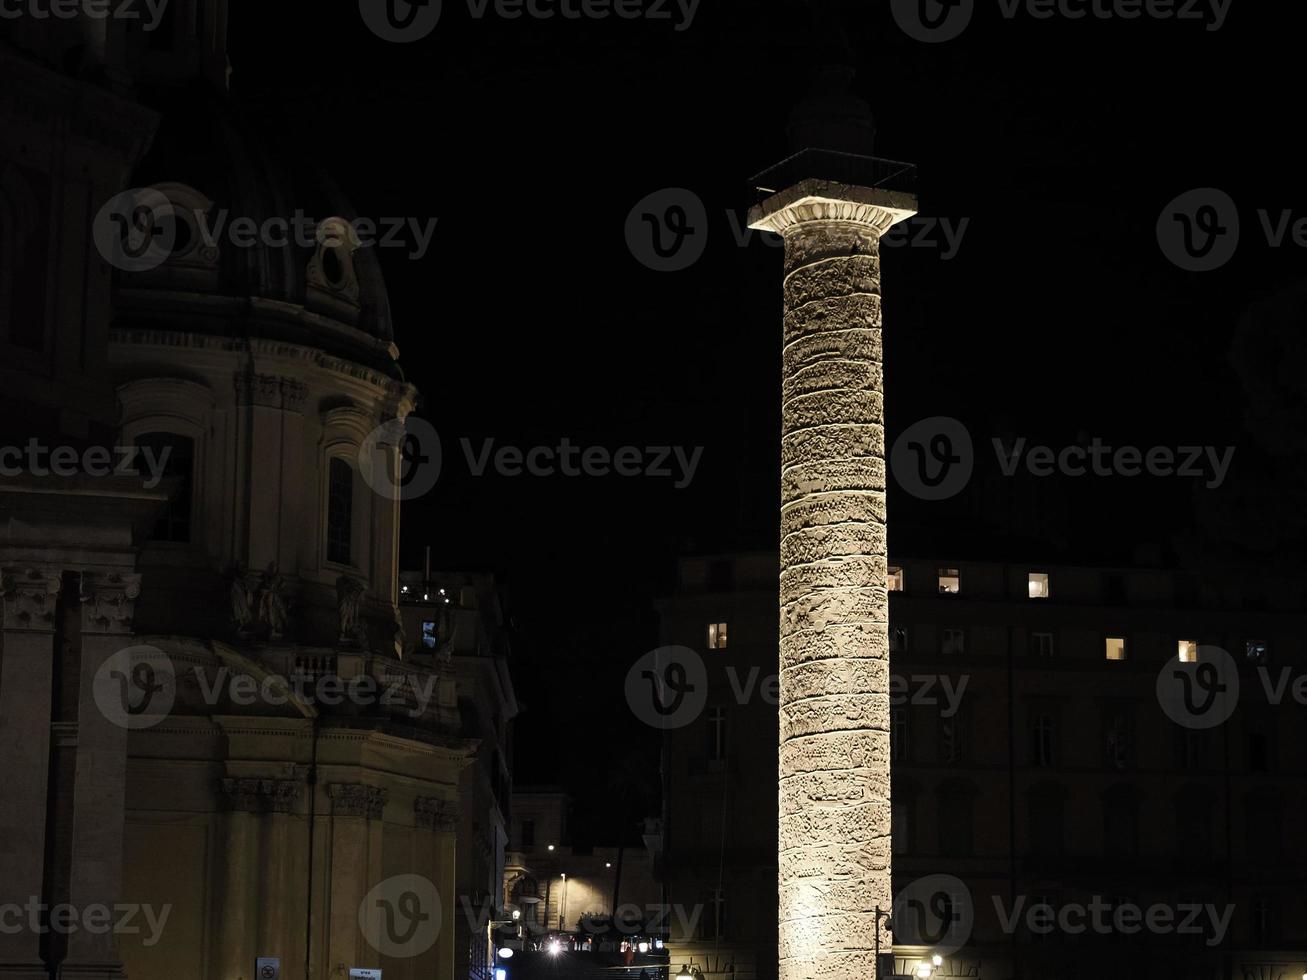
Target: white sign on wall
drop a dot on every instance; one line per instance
(357, 973)
(267, 968)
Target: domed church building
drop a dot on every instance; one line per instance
(212, 722)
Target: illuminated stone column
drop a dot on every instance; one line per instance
(834, 648)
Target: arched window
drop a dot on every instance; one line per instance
(172, 456)
(340, 511)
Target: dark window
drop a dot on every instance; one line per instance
(24, 247)
(1045, 811)
(528, 833)
(1194, 825)
(1121, 825)
(898, 734)
(952, 739)
(721, 576)
(955, 823)
(340, 512)
(1258, 752)
(174, 456)
(1043, 741)
(714, 914)
(716, 733)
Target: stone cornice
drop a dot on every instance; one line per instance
(402, 395)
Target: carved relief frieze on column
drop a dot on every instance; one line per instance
(30, 595)
(357, 800)
(109, 601)
(433, 813)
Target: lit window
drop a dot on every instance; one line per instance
(954, 641)
(1114, 647)
(949, 581)
(1187, 651)
(1038, 585)
(894, 580)
(429, 638)
(1257, 651)
(716, 636)
(1041, 644)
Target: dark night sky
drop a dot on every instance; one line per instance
(1061, 141)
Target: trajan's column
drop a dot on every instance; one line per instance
(834, 646)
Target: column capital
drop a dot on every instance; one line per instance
(109, 601)
(357, 800)
(433, 813)
(257, 794)
(30, 595)
(815, 199)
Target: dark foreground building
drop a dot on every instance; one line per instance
(1094, 771)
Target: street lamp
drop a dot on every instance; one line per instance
(881, 914)
(685, 973)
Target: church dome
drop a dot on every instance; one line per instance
(259, 241)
